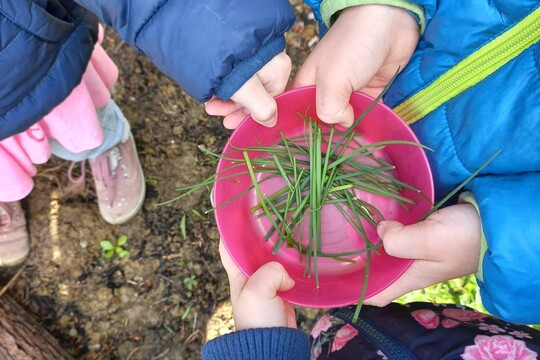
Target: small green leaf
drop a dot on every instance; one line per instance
(169, 329)
(190, 282)
(109, 254)
(106, 245)
(183, 227)
(122, 240)
(197, 214)
(123, 254)
(186, 312)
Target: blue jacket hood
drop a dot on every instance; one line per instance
(44, 50)
(209, 47)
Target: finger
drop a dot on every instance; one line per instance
(333, 104)
(268, 280)
(455, 229)
(335, 86)
(231, 121)
(305, 76)
(218, 107)
(232, 112)
(291, 315)
(414, 278)
(372, 91)
(332, 94)
(332, 97)
(237, 279)
(275, 75)
(257, 101)
(416, 241)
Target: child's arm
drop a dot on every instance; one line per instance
(444, 246)
(464, 135)
(210, 48)
(362, 50)
(265, 324)
(256, 96)
(502, 252)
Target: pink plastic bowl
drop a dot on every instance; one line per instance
(340, 283)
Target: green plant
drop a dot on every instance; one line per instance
(462, 291)
(151, 180)
(191, 282)
(109, 249)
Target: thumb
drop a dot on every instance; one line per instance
(414, 241)
(333, 91)
(257, 101)
(237, 279)
(333, 104)
(268, 280)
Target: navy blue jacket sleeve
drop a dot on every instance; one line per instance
(252, 344)
(209, 47)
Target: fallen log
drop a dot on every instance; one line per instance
(23, 338)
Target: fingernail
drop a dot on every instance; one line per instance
(346, 124)
(270, 122)
(290, 283)
(381, 229)
(210, 110)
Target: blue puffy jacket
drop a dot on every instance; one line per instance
(209, 47)
(502, 112)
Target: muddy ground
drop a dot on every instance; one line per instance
(156, 303)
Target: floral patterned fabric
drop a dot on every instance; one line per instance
(421, 331)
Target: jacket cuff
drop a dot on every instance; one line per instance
(468, 197)
(330, 9)
(268, 343)
(247, 68)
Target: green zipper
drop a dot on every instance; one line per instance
(473, 69)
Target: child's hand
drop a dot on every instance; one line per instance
(361, 51)
(255, 302)
(256, 96)
(444, 246)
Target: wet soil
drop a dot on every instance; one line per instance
(170, 294)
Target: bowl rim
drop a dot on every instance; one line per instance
(428, 191)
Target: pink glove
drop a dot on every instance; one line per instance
(362, 51)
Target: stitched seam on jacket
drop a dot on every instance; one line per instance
(47, 76)
(150, 18)
(453, 138)
(12, 42)
(23, 28)
(536, 56)
(418, 68)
